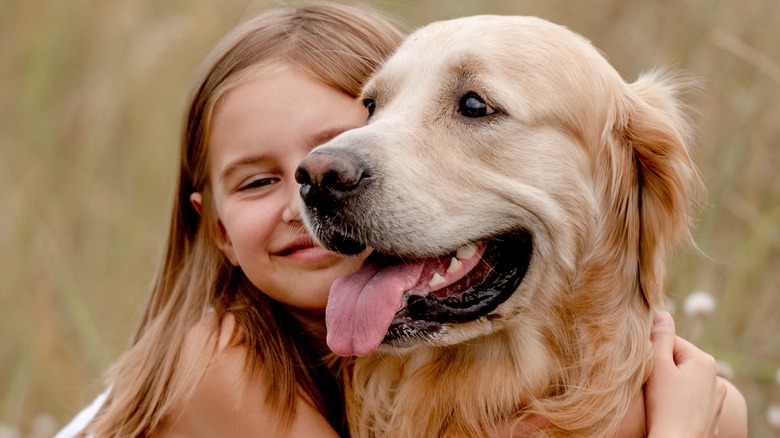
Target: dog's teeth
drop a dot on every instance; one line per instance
(455, 264)
(466, 251)
(436, 280)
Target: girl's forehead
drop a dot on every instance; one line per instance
(276, 112)
(248, 74)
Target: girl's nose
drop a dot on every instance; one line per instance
(292, 212)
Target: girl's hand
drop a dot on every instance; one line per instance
(683, 395)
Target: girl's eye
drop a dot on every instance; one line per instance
(257, 183)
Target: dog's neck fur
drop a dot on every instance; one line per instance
(510, 381)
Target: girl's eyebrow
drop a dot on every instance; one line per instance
(239, 163)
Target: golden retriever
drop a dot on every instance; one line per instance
(520, 199)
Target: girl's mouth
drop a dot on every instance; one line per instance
(300, 247)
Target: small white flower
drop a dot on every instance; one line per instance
(773, 416)
(699, 304)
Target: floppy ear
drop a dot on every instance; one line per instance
(652, 131)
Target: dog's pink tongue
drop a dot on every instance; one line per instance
(361, 306)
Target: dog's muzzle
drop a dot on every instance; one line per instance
(393, 299)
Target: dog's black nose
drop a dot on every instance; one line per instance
(326, 177)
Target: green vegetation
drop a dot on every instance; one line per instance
(91, 95)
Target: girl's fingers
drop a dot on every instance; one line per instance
(663, 336)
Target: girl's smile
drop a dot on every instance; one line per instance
(303, 249)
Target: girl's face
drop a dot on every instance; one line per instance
(260, 131)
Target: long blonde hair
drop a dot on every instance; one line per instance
(336, 44)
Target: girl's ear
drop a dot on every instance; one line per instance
(216, 230)
(196, 199)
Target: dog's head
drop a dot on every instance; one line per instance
(505, 168)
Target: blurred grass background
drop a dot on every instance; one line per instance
(91, 98)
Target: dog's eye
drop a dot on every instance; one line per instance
(370, 105)
(472, 105)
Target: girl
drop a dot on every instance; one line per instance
(236, 315)
(232, 340)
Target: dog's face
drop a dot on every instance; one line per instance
(486, 176)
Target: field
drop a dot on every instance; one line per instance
(91, 98)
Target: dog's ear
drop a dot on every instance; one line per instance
(651, 134)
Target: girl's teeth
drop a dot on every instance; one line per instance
(455, 264)
(436, 280)
(466, 251)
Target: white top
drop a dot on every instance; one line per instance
(80, 421)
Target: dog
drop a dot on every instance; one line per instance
(519, 199)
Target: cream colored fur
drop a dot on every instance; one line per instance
(595, 169)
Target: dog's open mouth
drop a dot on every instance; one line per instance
(399, 301)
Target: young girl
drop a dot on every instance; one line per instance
(235, 320)
(232, 340)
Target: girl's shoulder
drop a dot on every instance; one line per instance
(227, 400)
